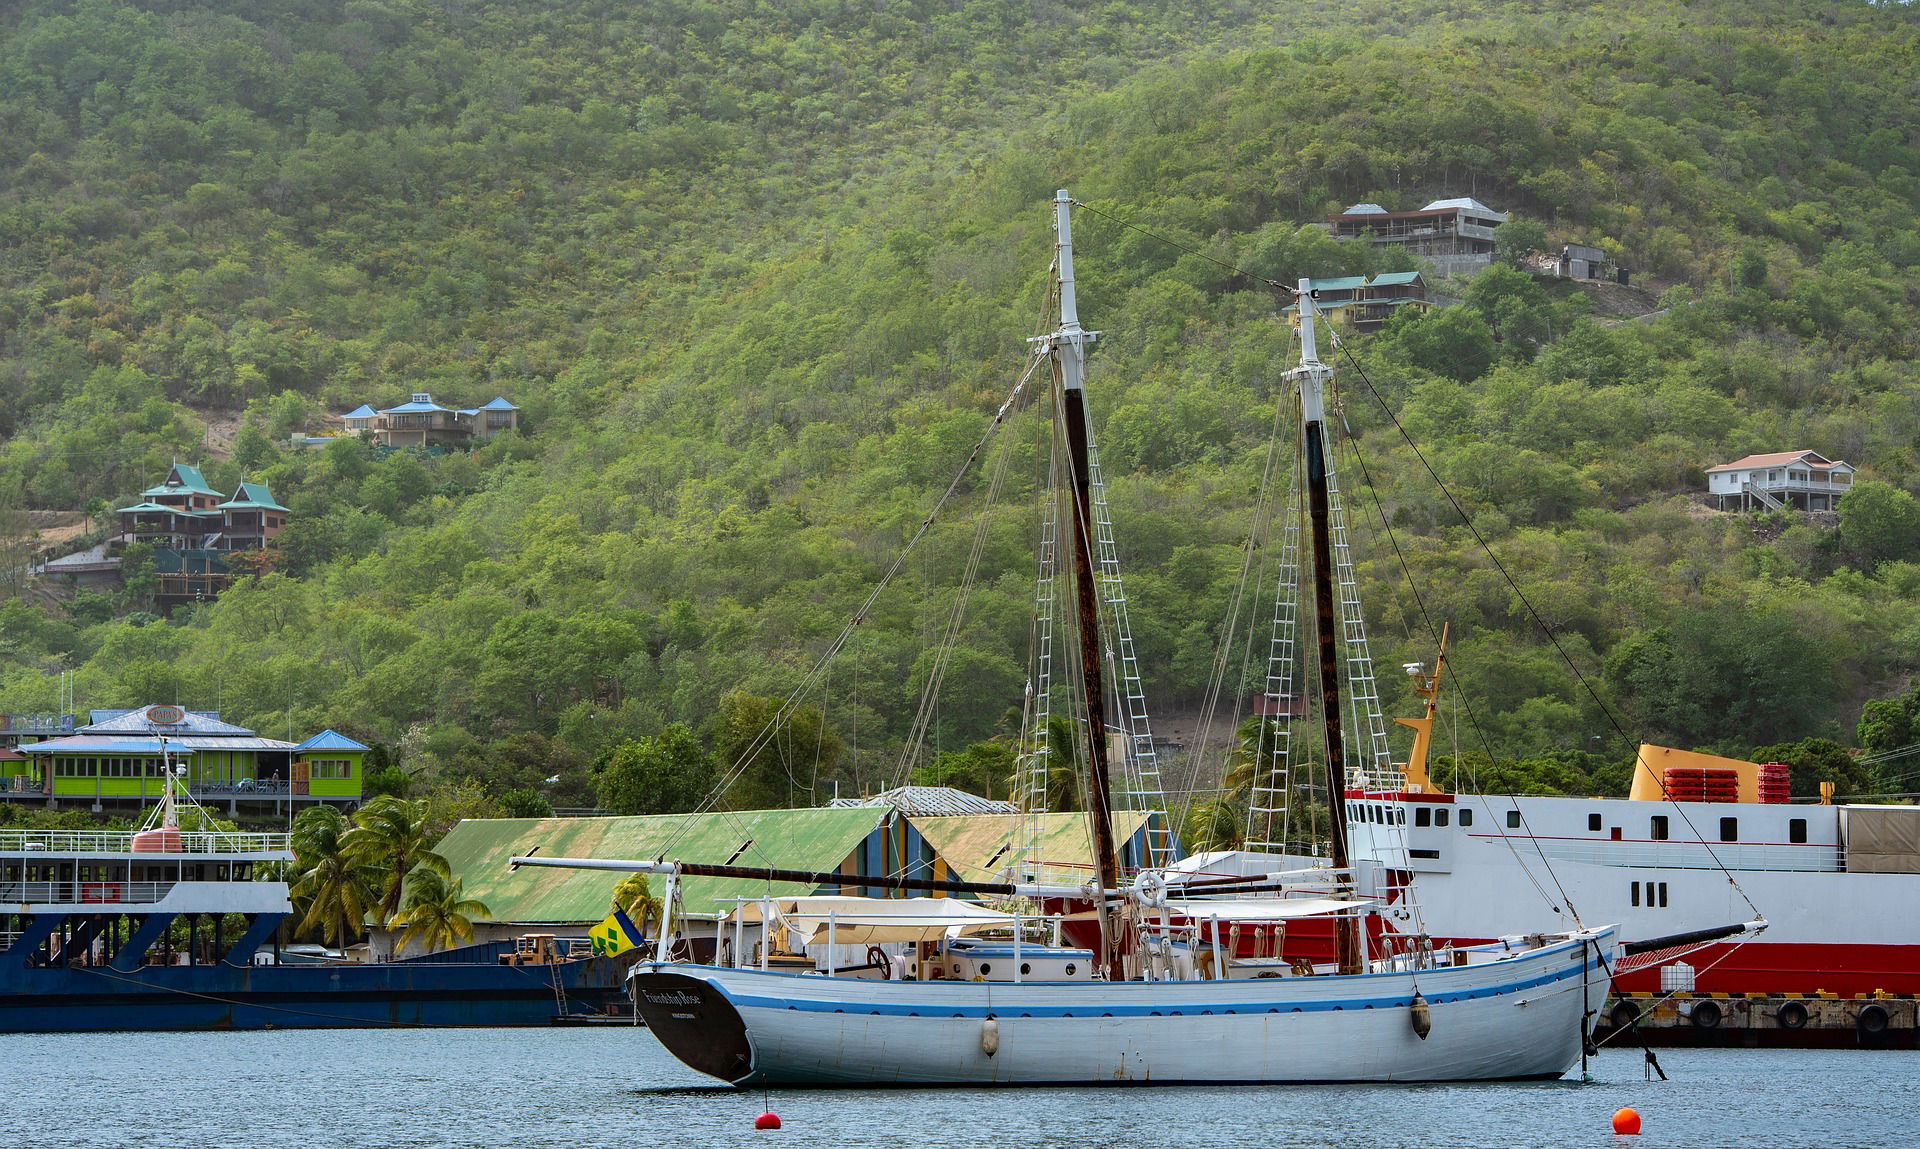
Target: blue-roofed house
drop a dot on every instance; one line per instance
(421, 422)
(330, 765)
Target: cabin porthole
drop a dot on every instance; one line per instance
(1026, 968)
(1072, 967)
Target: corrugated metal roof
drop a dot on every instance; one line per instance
(330, 740)
(136, 744)
(933, 801)
(412, 406)
(478, 851)
(182, 478)
(1774, 459)
(105, 744)
(363, 411)
(978, 847)
(192, 722)
(498, 403)
(252, 495)
(1466, 203)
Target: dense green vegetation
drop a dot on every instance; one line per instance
(758, 275)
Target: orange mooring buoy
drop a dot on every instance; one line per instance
(770, 1120)
(1626, 1121)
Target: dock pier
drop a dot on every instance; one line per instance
(1804, 1021)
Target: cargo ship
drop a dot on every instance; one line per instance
(171, 929)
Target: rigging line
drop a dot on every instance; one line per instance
(1552, 638)
(1473, 718)
(792, 701)
(956, 619)
(1188, 248)
(1253, 564)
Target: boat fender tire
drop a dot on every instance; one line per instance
(1872, 1019)
(1792, 1015)
(1706, 1015)
(1624, 1014)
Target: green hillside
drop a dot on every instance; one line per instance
(759, 274)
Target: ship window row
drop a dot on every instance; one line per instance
(106, 767)
(1441, 817)
(1376, 813)
(1655, 893)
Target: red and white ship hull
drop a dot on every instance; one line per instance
(1472, 868)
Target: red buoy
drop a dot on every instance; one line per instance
(772, 1121)
(1626, 1121)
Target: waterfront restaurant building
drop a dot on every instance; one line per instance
(115, 761)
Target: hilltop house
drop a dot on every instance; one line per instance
(116, 760)
(1368, 303)
(194, 530)
(421, 422)
(1455, 235)
(1783, 479)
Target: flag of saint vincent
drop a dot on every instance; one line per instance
(616, 935)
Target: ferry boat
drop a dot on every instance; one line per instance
(171, 929)
(1700, 842)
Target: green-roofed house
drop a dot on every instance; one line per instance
(1368, 303)
(251, 520)
(197, 532)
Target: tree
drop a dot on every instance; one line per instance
(525, 803)
(390, 835)
(665, 773)
(1451, 341)
(1722, 676)
(436, 912)
(1880, 523)
(333, 884)
(1518, 238)
(634, 896)
(1816, 760)
(984, 768)
(777, 757)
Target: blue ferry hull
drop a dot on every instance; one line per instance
(344, 996)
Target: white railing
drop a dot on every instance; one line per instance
(121, 842)
(83, 893)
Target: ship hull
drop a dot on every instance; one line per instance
(346, 996)
(1514, 1019)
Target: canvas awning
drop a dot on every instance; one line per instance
(868, 921)
(1249, 909)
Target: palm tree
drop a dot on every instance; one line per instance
(635, 896)
(437, 912)
(391, 834)
(333, 886)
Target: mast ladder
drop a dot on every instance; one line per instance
(1144, 789)
(1036, 767)
(1372, 767)
(1270, 804)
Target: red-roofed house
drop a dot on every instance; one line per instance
(1798, 479)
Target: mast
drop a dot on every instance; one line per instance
(1068, 346)
(1311, 378)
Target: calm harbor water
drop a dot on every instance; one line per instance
(617, 1087)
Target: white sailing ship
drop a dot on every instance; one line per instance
(1163, 1002)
